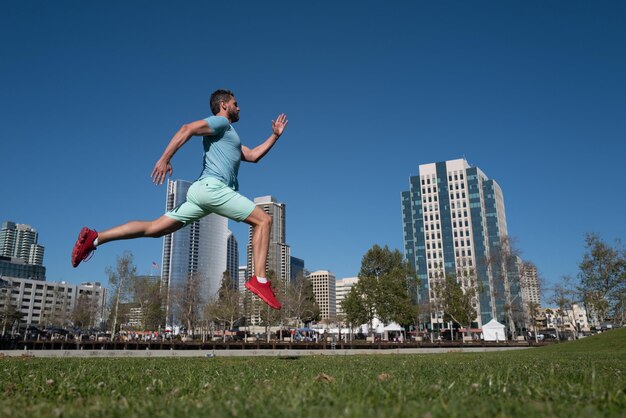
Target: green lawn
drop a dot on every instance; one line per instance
(583, 378)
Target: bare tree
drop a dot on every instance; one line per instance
(120, 279)
(564, 296)
(84, 313)
(189, 301)
(226, 306)
(148, 297)
(9, 314)
(300, 301)
(505, 269)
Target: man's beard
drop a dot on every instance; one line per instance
(233, 116)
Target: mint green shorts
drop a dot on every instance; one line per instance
(210, 195)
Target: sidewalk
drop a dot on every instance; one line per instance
(242, 353)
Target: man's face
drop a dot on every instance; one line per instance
(233, 110)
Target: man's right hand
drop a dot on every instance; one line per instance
(160, 171)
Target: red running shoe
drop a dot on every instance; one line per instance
(264, 291)
(84, 247)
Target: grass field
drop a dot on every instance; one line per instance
(583, 378)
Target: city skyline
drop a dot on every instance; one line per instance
(532, 93)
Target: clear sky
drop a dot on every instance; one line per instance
(533, 93)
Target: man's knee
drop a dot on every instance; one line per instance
(162, 227)
(266, 220)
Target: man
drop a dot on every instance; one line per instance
(214, 192)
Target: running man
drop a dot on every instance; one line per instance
(214, 192)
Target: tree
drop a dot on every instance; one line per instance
(300, 303)
(382, 290)
(149, 298)
(84, 313)
(563, 296)
(533, 313)
(456, 301)
(59, 314)
(503, 263)
(225, 307)
(603, 278)
(268, 315)
(120, 279)
(189, 301)
(9, 314)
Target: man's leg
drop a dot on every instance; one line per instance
(258, 284)
(88, 239)
(261, 222)
(138, 229)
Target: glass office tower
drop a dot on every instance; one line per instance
(199, 248)
(455, 225)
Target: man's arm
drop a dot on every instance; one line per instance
(163, 167)
(255, 154)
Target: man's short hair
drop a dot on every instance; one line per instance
(218, 97)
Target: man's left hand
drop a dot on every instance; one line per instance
(279, 126)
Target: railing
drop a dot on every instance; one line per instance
(242, 345)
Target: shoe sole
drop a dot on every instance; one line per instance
(82, 235)
(256, 292)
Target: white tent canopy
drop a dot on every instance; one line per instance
(391, 327)
(494, 331)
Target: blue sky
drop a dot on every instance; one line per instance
(533, 93)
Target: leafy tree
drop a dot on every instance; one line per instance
(120, 279)
(382, 290)
(455, 300)
(356, 307)
(603, 278)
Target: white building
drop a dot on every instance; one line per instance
(242, 277)
(324, 289)
(453, 222)
(279, 253)
(52, 303)
(278, 256)
(342, 288)
(530, 285)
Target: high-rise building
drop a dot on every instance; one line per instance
(324, 290)
(297, 268)
(279, 253)
(455, 225)
(232, 258)
(200, 248)
(20, 240)
(278, 256)
(242, 278)
(342, 288)
(530, 285)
